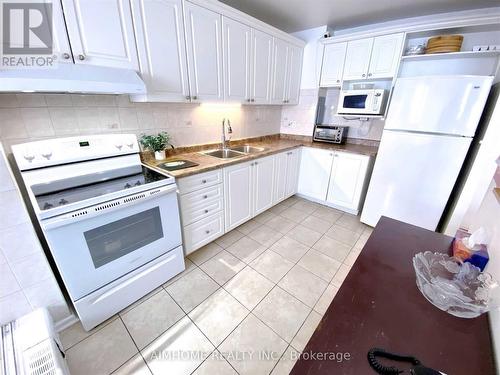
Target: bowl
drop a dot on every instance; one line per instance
(457, 287)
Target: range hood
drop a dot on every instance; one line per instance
(72, 78)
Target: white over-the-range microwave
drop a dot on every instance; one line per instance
(362, 102)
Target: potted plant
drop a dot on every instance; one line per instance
(156, 143)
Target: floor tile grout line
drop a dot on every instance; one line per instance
(93, 333)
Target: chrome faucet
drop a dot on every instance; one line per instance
(225, 142)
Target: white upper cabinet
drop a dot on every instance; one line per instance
(315, 167)
(161, 45)
(85, 22)
(281, 50)
(263, 184)
(237, 48)
(204, 51)
(357, 59)
(333, 64)
(292, 82)
(369, 58)
(347, 180)
(385, 56)
(262, 53)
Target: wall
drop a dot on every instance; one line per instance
(26, 280)
(27, 117)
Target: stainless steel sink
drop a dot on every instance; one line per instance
(247, 149)
(224, 154)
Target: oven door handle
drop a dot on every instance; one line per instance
(106, 207)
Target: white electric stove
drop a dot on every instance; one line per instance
(111, 223)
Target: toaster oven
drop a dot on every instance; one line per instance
(330, 133)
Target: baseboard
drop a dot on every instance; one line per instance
(66, 322)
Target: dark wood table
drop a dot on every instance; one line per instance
(379, 305)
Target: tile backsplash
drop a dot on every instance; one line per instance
(26, 279)
(28, 117)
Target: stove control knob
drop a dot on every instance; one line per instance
(118, 146)
(63, 202)
(138, 183)
(47, 205)
(130, 144)
(47, 154)
(127, 185)
(29, 156)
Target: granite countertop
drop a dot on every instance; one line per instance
(271, 144)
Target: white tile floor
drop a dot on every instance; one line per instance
(261, 288)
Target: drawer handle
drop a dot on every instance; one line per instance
(205, 196)
(207, 231)
(256, 163)
(206, 211)
(203, 181)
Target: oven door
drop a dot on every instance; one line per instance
(96, 245)
(354, 103)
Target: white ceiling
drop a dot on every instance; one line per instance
(296, 15)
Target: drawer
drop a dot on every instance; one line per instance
(202, 232)
(199, 181)
(200, 204)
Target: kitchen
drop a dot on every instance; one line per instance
(217, 182)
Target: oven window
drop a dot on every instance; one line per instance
(119, 238)
(355, 101)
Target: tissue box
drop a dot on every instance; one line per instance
(478, 257)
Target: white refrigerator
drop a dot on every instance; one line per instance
(429, 128)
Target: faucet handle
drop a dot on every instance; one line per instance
(229, 129)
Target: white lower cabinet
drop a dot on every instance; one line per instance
(202, 232)
(201, 200)
(347, 180)
(238, 194)
(286, 174)
(263, 184)
(335, 178)
(248, 189)
(292, 172)
(315, 168)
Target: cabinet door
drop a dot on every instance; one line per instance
(280, 176)
(347, 180)
(263, 184)
(386, 53)
(238, 194)
(357, 59)
(161, 45)
(292, 172)
(315, 168)
(280, 70)
(114, 47)
(294, 75)
(262, 53)
(236, 47)
(203, 32)
(333, 64)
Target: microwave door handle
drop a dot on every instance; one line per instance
(67, 219)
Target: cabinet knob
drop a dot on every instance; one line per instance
(253, 100)
(206, 211)
(205, 196)
(338, 80)
(249, 100)
(203, 181)
(369, 74)
(284, 100)
(66, 56)
(81, 57)
(195, 97)
(207, 231)
(363, 75)
(256, 163)
(331, 153)
(188, 97)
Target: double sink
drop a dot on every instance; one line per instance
(233, 152)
